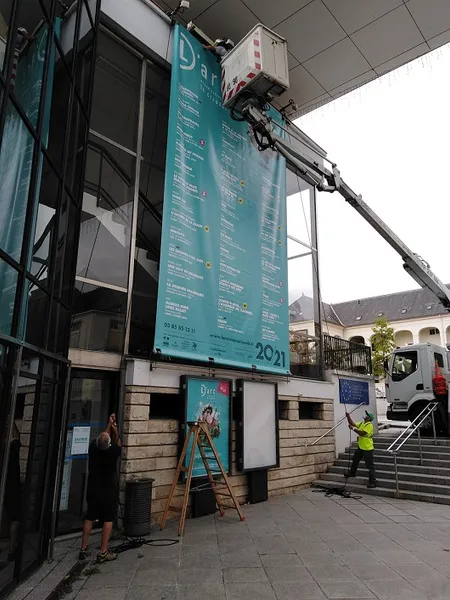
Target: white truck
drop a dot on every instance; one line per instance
(409, 384)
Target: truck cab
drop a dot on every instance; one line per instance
(409, 383)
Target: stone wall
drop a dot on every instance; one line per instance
(150, 448)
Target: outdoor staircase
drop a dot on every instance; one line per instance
(429, 482)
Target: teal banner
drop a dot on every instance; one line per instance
(223, 294)
(15, 165)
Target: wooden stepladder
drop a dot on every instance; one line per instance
(196, 429)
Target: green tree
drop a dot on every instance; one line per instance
(383, 342)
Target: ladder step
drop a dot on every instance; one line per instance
(175, 508)
(224, 495)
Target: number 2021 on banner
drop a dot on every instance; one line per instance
(271, 355)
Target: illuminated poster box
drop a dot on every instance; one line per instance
(258, 436)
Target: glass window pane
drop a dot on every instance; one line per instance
(145, 285)
(28, 69)
(117, 75)
(59, 110)
(38, 464)
(156, 119)
(298, 207)
(98, 321)
(19, 444)
(65, 249)
(84, 67)
(76, 151)
(103, 253)
(16, 155)
(85, 41)
(8, 285)
(59, 329)
(45, 225)
(29, 15)
(405, 364)
(4, 29)
(36, 315)
(303, 338)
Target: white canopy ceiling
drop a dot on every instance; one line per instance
(334, 45)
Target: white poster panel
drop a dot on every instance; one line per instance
(259, 425)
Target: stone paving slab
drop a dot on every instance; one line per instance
(303, 546)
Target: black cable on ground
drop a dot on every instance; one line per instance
(138, 542)
(329, 492)
(131, 543)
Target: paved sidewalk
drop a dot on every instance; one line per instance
(298, 547)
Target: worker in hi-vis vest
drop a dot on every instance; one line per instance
(364, 431)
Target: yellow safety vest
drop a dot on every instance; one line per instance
(365, 442)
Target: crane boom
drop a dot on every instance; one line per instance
(330, 181)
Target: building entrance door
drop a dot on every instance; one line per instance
(93, 397)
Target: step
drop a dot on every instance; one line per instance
(384, 439)
(387, 472)
(412, 443)
(403, 460)
(415, 446)
(390, 484)
(408, 454)
(405, 467)
(382, 491)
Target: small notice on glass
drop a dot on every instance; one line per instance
(80, 440)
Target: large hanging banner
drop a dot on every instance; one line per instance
(223, 294)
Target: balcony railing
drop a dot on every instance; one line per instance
(343, 355)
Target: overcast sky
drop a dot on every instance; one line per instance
(391, 141)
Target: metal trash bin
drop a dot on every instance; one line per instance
(138, 507)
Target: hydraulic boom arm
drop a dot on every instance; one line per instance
(330, 181)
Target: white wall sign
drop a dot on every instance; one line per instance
(80, 440)
(259, 416)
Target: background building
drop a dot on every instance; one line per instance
(415, 316)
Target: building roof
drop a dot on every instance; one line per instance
(303, 310)
(412, 304)
(335, 46)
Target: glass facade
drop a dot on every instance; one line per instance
(120, 233)
(46, 50)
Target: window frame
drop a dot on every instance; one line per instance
(397, 376)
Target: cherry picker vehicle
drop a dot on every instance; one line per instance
(254, 73)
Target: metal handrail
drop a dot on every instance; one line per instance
(334, 427)
(414, 426)
(428, 408)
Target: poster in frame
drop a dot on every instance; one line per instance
(208, 399)
(257, 440)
